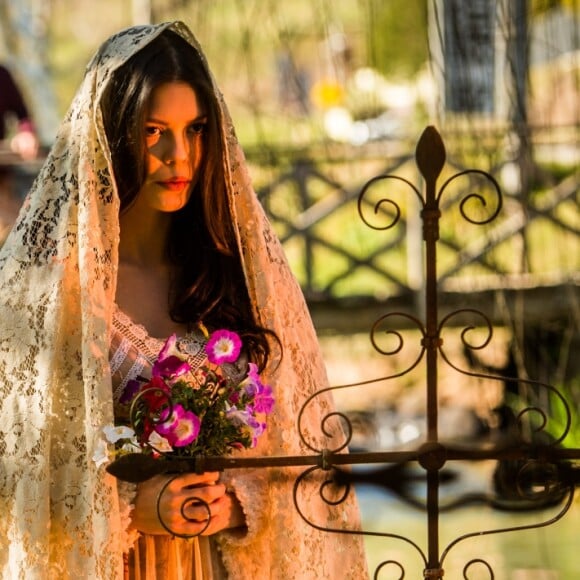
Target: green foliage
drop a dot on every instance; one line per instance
(218, 434)
(559, 418)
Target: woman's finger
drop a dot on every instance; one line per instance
(186, 480)
(200, 502)
(190, 504)
(187, 504)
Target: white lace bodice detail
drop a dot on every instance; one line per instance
(133, 352)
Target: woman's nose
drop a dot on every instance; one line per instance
(177, 148)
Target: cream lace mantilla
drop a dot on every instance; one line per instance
(60, 515)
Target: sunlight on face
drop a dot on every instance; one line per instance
(174, 139)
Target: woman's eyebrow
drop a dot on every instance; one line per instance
(163, 122)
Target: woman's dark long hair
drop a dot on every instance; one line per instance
(210, 286)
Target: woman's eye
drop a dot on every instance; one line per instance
(198, 128)
(152, 131)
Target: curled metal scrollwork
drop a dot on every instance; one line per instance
(325, 487)
(486, 324)
(376, 328)
(538, 481)
(477, 561)
(341, 434)
(193, 500)
(542, 524)
(383, 565)
(530, 409)
(346, 427)
(544, 417)
(384, 201)
(475, 197)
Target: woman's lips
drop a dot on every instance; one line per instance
(175, 184)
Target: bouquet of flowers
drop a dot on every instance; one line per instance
(184, 413)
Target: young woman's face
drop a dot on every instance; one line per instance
(174, 130)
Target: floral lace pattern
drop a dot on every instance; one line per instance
(61, 516)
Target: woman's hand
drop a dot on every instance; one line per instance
(180, 508)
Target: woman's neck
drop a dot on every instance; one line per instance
(144, 276)
(143, 239)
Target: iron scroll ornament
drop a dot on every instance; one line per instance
(545, 466)
(430, 156)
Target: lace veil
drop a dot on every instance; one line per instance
(60, 514)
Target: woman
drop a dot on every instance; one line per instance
(143, 223)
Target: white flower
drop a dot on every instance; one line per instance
(159, 443)
(131, 446)
(101, 454)
(114, 433)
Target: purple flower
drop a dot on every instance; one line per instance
(131, 389)
(256, 429)
(169, 364)
(263, 400)
(181, 428)
(245, 418)
(252, 381)
(239, 416)
(223, 346)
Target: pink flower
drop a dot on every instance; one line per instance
(169, 348)
(264, 400)
(223, 346)
(181, 428)
(169, 363)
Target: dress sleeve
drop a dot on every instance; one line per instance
(127, 492)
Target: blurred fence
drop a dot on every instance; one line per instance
(533, 248)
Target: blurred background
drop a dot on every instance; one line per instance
(328, 94)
